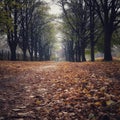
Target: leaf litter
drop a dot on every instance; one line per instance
(59, 91)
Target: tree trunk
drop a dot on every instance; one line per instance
(8, 55)
(31, 56)
(78, 51)
(92, 51)
(72, 55)
(12, 37)
(24, 55)
(13, 53)
(92, 26)
(79, 55)
(40, 50)
(35, 51)
(83, 55)
(12, 45)
(107, 44)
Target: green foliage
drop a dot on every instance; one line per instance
(6, 12)
(116, 38)
(100, 45)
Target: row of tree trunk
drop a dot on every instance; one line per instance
(6, 55)
(27, 25)
(85, 18)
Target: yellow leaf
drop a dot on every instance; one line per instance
(38, 102)
(102, 89)
(84, 81)
(98, 103)
(109, 102)
(88, 95)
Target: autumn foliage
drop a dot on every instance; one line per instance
(59, 91)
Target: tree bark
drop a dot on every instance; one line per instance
(24, 55)
(12, 45)
(12, 37)
(107, 44)
(83, 54)
(92, 26)
(13, 52)
(92, 51)
(36, 49)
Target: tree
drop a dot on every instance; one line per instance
(27, 12)
(68, 42)
(11, 8)
(40, 26)
(109, 14)
(76, 13)
(24, 22)
(92, 28)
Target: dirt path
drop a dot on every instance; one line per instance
(21, 91)
(59, 91)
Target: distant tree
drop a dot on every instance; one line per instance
(94, 27)
(39, 31)
(76, 13)
(27, 12)
(69, 39)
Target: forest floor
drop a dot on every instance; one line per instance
(59, 91)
